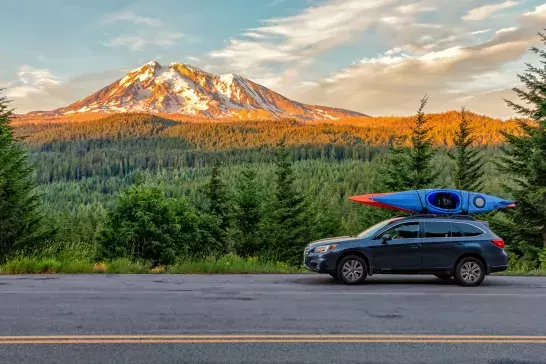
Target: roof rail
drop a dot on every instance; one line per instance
(445, 216)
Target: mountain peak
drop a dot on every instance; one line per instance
(185, 89)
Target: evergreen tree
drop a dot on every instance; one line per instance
(248, 214)
(469, 166)
(525, 157)
(21, 220)
(219, 209)
(289, 219)
(410, 168)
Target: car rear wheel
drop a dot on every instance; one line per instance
(470, 272)
(445, 277)
(352, 270)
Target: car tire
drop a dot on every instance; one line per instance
(469, 272)
(333, 275)
(444, 277)
(352, 269)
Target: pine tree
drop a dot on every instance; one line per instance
(411, 167)
(248, 214)
(469, 166)
(219, 209)
(289, 218)
(21, 221)
(525, 156)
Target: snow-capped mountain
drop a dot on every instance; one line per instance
(181, 88)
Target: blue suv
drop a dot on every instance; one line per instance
(446, 246)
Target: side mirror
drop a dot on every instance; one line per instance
(386, 238)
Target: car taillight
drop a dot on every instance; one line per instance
(498, 242)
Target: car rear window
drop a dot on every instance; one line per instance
(467, 229)
(437, 229)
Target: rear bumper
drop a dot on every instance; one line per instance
(497, 268)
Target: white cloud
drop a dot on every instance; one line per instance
(193, 59)
(506, 30)
(476, 32)
(138, 42)
(130, 16)
(296, 38)
(539, 11)
(38, 89)
(254, 35)
(483, 12)
(477, 75)
(156, 34)
(418, 7)
(30, 80)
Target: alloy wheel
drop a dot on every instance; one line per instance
(470, 272)
(352, 270)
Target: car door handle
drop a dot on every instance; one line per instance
(414, 246)
(457, 244)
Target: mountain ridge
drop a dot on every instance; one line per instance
(183, 89)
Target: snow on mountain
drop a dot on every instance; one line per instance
(183, 89)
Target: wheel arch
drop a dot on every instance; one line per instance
(472, 255)
(358, 254)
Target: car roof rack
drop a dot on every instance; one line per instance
(445, 216)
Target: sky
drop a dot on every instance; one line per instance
(378, 57)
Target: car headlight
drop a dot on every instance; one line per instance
(325, 248)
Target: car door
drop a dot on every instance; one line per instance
(438, 245)
(400, 253)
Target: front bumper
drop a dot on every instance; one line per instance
(320, 263)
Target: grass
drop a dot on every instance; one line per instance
(229, 264)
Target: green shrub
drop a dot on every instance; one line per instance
(27, 265)
(230, 264)
(126, 266)
(542, 259)
(146, 225)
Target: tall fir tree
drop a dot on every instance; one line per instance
(411, 167)
(248, 214)
(21, 220)
(219, 211)
(289, 215)
(524, 156)
(469, 165)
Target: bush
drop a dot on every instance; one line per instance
(126, 266)
(145, 225)
(231, 264)
(542, 259)
(100, 268)
(27, 265)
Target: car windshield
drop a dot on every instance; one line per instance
(372, 230)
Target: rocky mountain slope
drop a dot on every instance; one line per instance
(183, 89)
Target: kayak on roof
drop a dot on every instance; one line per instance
(435, 201)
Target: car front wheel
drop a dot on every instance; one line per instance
(470, 272)
(352, 270)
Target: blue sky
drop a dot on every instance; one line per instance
(373, 56)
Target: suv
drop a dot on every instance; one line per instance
(445, 246)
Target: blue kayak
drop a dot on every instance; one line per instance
(436, 201)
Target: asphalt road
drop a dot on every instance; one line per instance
(269, 318)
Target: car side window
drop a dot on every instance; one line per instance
(437, 229)
(409, 230)
(455, 231)
(469, 230)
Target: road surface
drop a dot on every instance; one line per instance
(269, 318)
